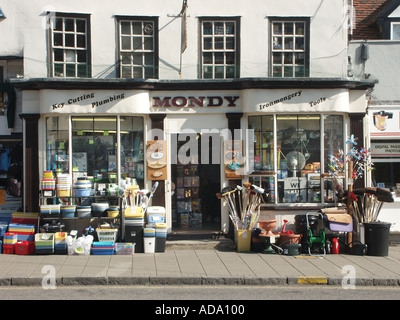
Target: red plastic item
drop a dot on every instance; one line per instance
(8, 248)
(24, 247)
(335, 246)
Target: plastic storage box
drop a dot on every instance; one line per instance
(124, 248)
(103, 248)
(24, 247)
(44, 243)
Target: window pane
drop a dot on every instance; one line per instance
(277, 28)
(300, 71)
(277, 58)
(277, 43)
(230, 28)
(148, 44)
(81, 41)
(82, 56)
(230, 72)
(69, 56)
(219, 43)
(148, 28)
(81, 26)
(230, 43)
(207, 28)
(137, 58)
(59, 24)
(137, 72)
(70, 70)
(288, 43)
(149, 72)
(82, 70)
(207, 58)
(207, 43)
(137, 28)
(219, 72)
(69, 25)
(126, 72)
(299, 28)
(58, 69)
(70, 40)
(288, 58)
(288, 28)
(149, 59)
(288, 71)
(277, 71)
(299, 44)
(219, 58)
(230, 58)
(126, 58)
(218, 28)
(58, 55)
(58, 39)
(396, 31)
(125, 27)
(125, 43)
(137, 43)
(299, 58)
(208, 72)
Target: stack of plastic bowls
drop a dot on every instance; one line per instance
(68, 211)
(83, 187)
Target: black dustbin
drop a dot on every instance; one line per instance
(377, 238)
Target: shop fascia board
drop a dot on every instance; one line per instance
(232, 84)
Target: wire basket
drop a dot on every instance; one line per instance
(107, 235)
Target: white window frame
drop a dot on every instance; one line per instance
(71, 62)
(289, 59)
(395, 31)
(138, 62)
(220, 58)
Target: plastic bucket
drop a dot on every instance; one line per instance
(149, 244)
(377, 238)
(243, 240)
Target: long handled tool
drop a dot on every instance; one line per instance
(153, 189)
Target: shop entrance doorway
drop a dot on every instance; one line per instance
(195, 175)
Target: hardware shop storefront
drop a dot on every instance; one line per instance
(279, 139)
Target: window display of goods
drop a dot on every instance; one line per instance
(99, 208)
(107, 235)
(68, 211)
(83, 211)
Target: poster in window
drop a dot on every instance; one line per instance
(79, 161)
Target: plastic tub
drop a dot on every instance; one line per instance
(68, 211)
(80, 192)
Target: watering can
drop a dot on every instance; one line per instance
(292, 249)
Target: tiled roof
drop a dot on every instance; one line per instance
(366, 13)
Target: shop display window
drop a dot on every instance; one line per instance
(94, 148)
(290, 170)
(57, 151)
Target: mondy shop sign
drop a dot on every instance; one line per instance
(191, 101)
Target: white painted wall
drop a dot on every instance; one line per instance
(383, 64)
(23, 32)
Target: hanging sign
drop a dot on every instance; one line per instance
(156, 160)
